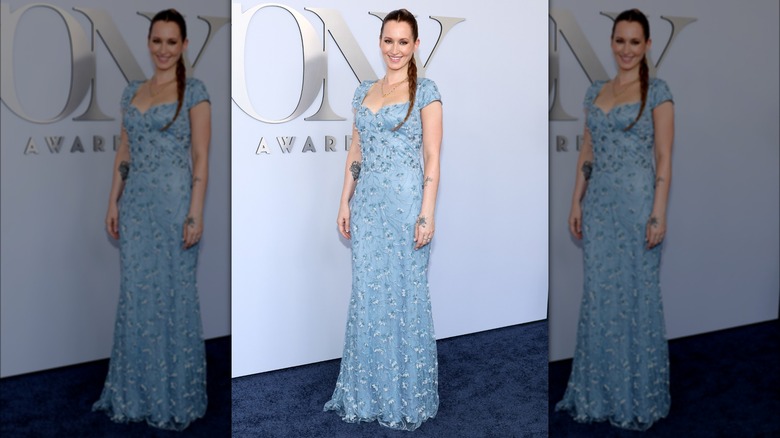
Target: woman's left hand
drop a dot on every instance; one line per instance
(655, 230)
(423, 230)
(193, 230)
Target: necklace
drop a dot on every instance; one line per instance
(382, 87)
(616, 93)
(160, 88)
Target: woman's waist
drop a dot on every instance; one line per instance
(400, 166)
(394, 177)
(623, 164)
(621, 177)
(160, 175)
(167, 164)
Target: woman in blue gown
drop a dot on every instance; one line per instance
(157, 371)
(389, 368)
(620, 371)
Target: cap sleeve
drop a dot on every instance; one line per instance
(128, 94)
(427, 92)
(195, 93)
(592, 93)
(360, 94)
(658, 93)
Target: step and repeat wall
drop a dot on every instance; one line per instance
(295, 67)
(64, 66)
(720, 59)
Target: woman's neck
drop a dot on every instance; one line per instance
(163, 76)
(625, 77)
(394, 77)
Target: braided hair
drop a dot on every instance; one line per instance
(172, 15)
(402, 15)
(635, 15)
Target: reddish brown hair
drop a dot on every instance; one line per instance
(172, 15)
(636, 16)
(402, 15)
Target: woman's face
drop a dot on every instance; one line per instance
(629, 44)
(165, 44)
(397, 44)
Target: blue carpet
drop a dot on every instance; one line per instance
(491, 384)
(58, 402)
(723, 384)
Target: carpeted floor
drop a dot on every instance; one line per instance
(58, 403)
(491, 384)
(723, 384)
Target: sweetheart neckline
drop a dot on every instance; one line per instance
(606, 113)
(362, 105)
(132, 105)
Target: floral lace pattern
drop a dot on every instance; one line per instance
(620, 371)
(389, 369)
(157, 371)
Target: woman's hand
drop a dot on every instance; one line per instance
(112, 220)
(423, 230)
(193, 230)
(342, 221)
(655, 230)
(575, 220)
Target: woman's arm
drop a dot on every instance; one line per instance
(584, 168)
(663, 123)
(200, 126)
(351, 176)
(121, 167)
(432, 129)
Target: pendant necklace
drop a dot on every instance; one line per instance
(382, 87)
(159, 88)
(623, 89)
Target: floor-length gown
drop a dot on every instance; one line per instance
(620, 370)
(157, 371)
(389, 369)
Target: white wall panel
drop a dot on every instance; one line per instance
(291, 274)
(720, 257)
(60, 269)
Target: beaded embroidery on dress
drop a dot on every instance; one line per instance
(157, 371)
(389, 369)
(620, 370)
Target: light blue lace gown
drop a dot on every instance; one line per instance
(389, 369)
(620, 371)
(157, 371)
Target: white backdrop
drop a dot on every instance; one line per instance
(720, 257)
(60, 270)
(291, 277)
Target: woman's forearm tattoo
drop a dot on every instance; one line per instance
(587, 169)
(355, 169)
(421, 221)
(124, 169)
(653, 221)
(189, 221)
(427, 180)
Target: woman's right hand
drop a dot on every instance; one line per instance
(575, 220)
(343, 220)
(112, 220)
